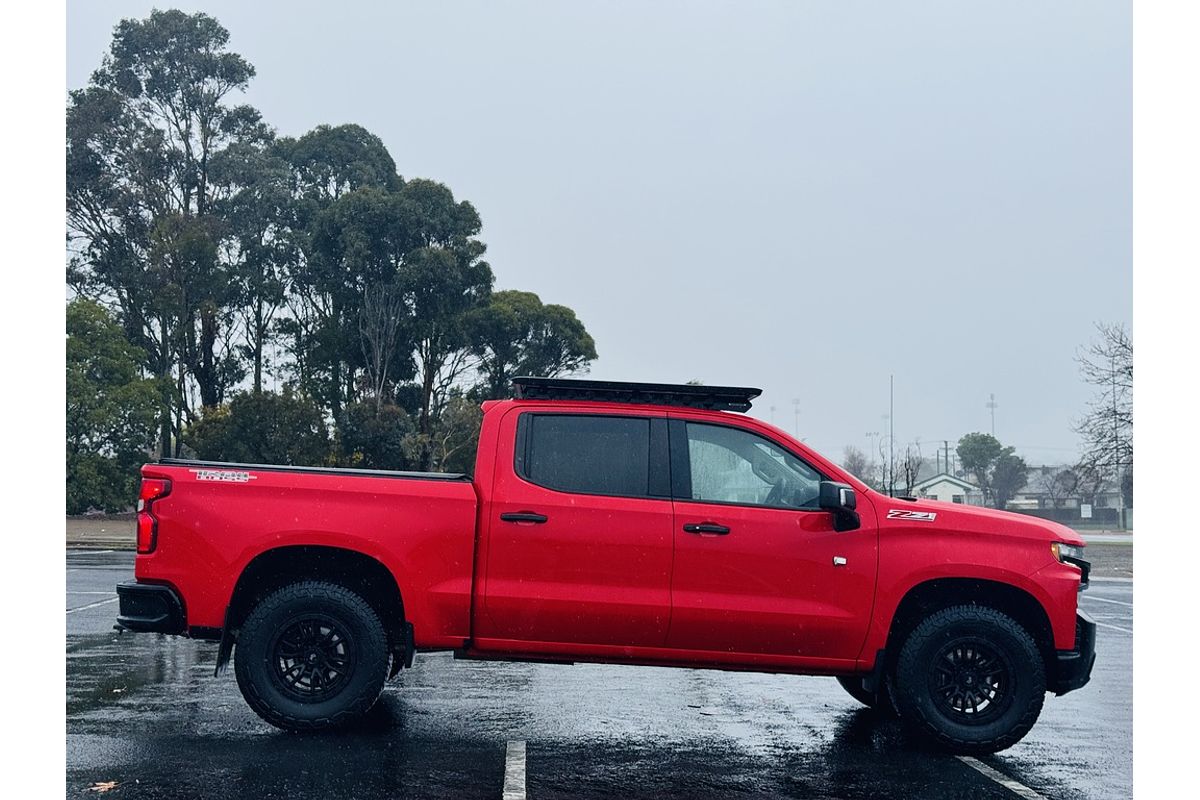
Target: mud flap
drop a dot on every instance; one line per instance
(225, 649)
(403, 655)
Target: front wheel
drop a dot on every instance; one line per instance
(971, 678)
(310, 656)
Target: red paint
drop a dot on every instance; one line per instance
(607, 578)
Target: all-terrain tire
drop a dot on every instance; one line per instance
(311, 656)
(963, 655)
(876, 701)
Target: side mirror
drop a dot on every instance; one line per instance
(841, 500)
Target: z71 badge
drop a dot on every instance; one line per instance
(916, 516)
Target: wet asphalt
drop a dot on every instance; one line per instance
(144, 711)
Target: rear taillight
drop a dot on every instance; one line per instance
(147, 526)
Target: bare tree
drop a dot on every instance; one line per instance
(1107, 426)
(1091, 480)
(379, 323)
(457, 434)
(1058, 485)
(885, 469)
(858, 464)
(910, 465)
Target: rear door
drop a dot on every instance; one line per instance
(579, 543)
(759, 568)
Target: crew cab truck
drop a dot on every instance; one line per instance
(644, 524)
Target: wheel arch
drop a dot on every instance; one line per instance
(936, 594)
(279, 566)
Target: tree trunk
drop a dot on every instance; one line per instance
(164, 375)
(424, 422)
(206, 371)
(258, 346)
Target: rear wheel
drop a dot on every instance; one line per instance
(971, 678)
(311, 655)
(877, 701)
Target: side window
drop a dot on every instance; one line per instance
(734, 466)
(585, 454)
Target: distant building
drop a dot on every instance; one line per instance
(1035, 493)
(948, 489)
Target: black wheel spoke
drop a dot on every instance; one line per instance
(313, 657)
(968, 678)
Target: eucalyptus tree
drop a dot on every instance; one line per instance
(144, 232)
(516, 334)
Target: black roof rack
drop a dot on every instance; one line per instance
(716, 398)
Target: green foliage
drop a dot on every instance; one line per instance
(110, 412)
(456, 435)
(515, 334)
(1008, 476)
(142, 141)
(372, 437)
(977, 452)
(264, 428)
(998, 470)
(330, 161)
(219, 242)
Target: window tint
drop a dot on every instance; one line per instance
(587, 454)
(734, 466)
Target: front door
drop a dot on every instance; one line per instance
(759, 568)
(579, 540)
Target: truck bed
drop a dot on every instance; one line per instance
(219, 516)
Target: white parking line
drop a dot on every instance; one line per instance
(514, 771)
(1110, 580)
(93, 605)
(1019, 789)
(1114, 627)
(1106, 600)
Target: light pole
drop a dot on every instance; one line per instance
(886, 456)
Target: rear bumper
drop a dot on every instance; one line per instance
(149, 608)
(1074, 667)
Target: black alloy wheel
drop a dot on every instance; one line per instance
(971, 678)
(970, 681)
(313, 657)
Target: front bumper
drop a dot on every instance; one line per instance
(1074, 667)
(149, 608)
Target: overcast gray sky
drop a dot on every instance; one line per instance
(802, 196)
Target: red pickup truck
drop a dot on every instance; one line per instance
(623, 523)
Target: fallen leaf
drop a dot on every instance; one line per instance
(103, 786)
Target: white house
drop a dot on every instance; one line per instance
(947, 488)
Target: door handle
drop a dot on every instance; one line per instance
(523, 516)
(706, 527)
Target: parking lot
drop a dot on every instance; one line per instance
(146, 715)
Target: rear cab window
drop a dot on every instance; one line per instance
(624, 456)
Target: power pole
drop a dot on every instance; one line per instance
(796, 407)
(992, 405)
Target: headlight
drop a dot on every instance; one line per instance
(1065, 552)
